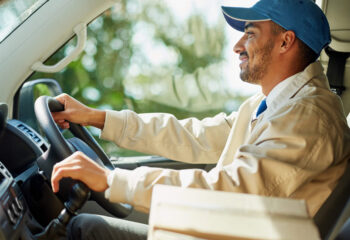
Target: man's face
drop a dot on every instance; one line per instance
(254, 50)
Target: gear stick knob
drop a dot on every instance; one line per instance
(79, 195)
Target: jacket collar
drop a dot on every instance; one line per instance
(288, 88)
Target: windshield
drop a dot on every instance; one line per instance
(14, 12)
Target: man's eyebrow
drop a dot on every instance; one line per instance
(249, 25)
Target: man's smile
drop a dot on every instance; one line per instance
(244, 58)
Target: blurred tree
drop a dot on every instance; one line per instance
(139, 57)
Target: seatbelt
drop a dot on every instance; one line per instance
(336, 68)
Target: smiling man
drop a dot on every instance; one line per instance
(291, 140)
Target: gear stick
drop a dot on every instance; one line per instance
(56, 229)
(80, 193)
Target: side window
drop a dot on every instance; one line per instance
(154, 56)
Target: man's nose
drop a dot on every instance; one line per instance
(239, 46)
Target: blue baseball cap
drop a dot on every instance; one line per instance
(303, 17)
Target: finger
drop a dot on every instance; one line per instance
(68, 162)
(64, 125)
(63, 172)
(59, 118)
(60, 115)
(77, 158)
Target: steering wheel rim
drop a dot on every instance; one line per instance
(43, 107)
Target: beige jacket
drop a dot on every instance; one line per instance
(297, 148)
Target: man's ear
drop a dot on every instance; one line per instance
(287, 40)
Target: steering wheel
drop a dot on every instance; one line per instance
(3, 116)
(63, 148)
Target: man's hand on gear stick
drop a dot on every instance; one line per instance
(80, 167)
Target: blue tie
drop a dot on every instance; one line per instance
(262, 107)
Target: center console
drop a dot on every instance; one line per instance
(15, 218)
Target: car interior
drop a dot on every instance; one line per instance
(31, 142)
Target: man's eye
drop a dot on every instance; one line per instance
(249, 34)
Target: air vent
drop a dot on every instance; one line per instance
(28, 132)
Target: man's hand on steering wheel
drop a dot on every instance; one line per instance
(76, 112)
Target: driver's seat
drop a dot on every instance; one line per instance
(336, 210)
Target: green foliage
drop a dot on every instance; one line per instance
(40, 90)
(117, 72)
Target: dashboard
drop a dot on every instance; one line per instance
(20, 147)
(27, 202)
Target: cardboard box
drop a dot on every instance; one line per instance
(197, 214)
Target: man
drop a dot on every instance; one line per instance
(291, 140)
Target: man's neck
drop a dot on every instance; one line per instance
(275, 77)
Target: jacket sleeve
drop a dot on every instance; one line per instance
(189, 140)
(278, 159)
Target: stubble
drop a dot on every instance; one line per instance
(253, 74)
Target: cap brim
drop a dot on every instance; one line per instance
(237, 16)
